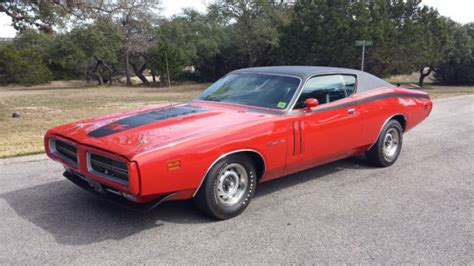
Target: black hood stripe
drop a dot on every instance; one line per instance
(144, 119)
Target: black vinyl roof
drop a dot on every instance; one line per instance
(365, 81)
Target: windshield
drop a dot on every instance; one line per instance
(261, 90)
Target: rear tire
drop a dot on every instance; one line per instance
(386, 150)
(228, 188)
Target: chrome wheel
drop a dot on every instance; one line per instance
(391, 144)
(232, 184)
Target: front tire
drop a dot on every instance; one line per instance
(228, 188)
(386, 150)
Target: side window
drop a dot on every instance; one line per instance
(349, 84)
(327, 89)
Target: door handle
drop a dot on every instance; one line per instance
(351, 111)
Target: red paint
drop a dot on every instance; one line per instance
(311, 103)
(116, 127)
(289, 142)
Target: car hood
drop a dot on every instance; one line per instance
(145, 129)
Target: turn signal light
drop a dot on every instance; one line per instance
(174, 165)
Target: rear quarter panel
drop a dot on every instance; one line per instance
(379, 105)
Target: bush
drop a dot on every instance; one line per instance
(9, 61)
(453, 73)
(22, 66)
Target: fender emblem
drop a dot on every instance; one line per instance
(273, 143)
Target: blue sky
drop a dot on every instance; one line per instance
(459, 10)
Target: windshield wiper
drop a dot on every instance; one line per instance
(214, 99)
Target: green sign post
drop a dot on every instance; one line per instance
(363, 43)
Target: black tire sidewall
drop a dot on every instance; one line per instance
(214, 206)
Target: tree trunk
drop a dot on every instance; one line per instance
(126, 62)
(100, 80)
(99, 71)
(96, 72)
(139, 72)
(423, 75)
(250, 56)
(154, 76)
(109, 71)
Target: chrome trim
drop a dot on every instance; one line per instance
(104, 165)
(265, 73)
(232, 184)
(227, 154)
(113, 191)
(299, 91)
(54, 151)
(391, 144)
(365, 92)
(91, 170)
(386, 121)
(276, 111)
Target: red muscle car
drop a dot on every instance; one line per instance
(251, 126)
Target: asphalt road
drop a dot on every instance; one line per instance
(418, 211)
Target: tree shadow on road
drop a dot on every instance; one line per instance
(76, 217)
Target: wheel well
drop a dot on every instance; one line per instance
(401, 119)
(257, 160)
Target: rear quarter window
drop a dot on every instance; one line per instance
(326, 89)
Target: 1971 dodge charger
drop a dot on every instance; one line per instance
(251, 126)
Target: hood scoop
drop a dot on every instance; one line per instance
(144, 119)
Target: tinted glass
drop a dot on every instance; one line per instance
(349, 84)
(327, 89)
(253, 89)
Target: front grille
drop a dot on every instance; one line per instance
(110, 168)
(66, 151)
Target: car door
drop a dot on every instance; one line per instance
(328, 132)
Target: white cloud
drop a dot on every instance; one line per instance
(459, 10)
(6, 30)
(172, 7)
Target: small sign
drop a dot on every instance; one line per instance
(281, 105)
(364, 42)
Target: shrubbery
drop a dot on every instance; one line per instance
(454, 73)
(459, 69)
(22, 66)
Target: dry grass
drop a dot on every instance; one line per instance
(43, 107)
(411, 78)
(437, 92)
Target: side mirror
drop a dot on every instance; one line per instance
(310, 104)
